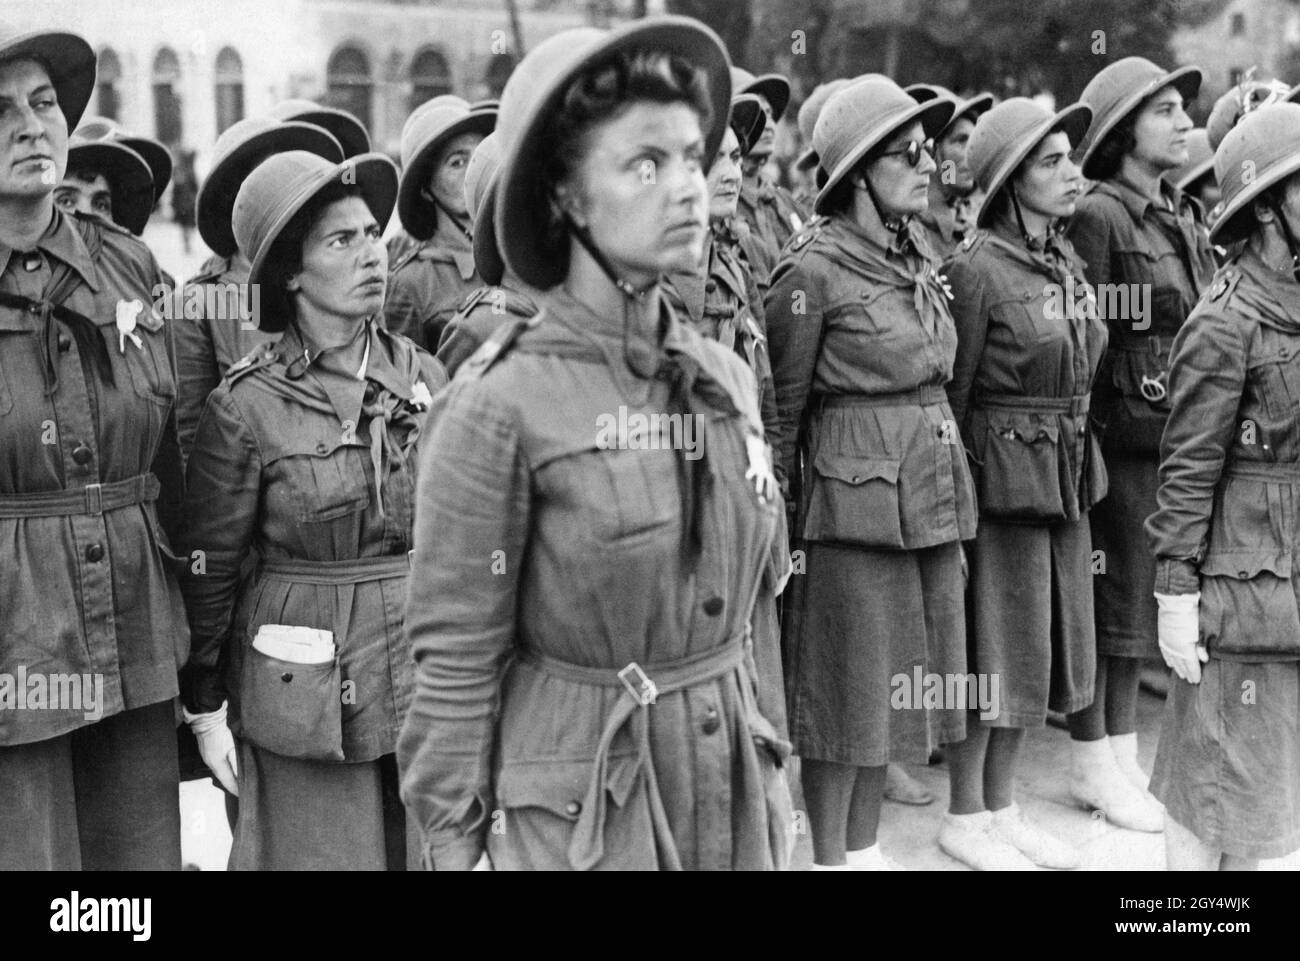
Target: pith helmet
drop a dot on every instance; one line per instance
(1009, 133)
(772, 86)
(1262, 150)
(747, 120)
(809, 111)
(970, 108)
(428, 130)
(861, 116)
(130, 182)
(157, 156)
(66, 56)
(480, 201)
(242, 147)
(343, 126)
(1119, 89)
(535, 90)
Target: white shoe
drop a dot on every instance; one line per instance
(831, 867)
(1125, 748)
(872, 859)
(968, 838)
(1011, 825)
(1097, 782)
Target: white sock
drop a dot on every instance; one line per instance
(864, 857)
(832, 867)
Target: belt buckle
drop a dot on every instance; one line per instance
(94, 499)
(1153, 389)
(638, 684)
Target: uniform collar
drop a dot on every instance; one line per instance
(892, 251)
(343, 392)
(1137, 202)
(1280, 288)
(62, 241)
(449, 242)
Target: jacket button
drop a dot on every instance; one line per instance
(713, 606)
(322, 448)
(83, 455)
(287, 676)
(64, 343)
(368, 396)
(711, 721)
(1243, 574)
(711, 286)
(95, 553)
(573, 808)
(1284, 353)
(33, 308)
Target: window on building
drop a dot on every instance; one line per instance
(1238, 24)
(430, 77)
(348, 83)
(110, 73)
(230, 88)
(166, 97)
(500, 66)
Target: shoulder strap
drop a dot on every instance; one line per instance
(496, 346)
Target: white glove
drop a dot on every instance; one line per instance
(1178, 628)
(216, 745)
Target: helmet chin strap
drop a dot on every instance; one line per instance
(449, 215)
(895, 225)
(631, 293)
(583, 236)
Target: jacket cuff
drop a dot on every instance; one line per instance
(1175, 576)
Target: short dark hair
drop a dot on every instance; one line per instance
(1120, 141)
(602, 94)
(285, 256)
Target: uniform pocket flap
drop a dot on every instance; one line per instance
(854, 469)
(561, 786)
(1025, 427)
(1243, 565)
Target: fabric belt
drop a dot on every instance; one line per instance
(640, 686)
(93, 499)
(1074, 406)
(339, 572)
(919, 397)
(1277, 473)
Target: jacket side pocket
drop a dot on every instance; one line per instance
(854, 501)
(294, 710)
(1248, 604)
(773, 751)
(1021, 478)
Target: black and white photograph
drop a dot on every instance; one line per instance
(651, 435)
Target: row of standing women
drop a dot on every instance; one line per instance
(600, 678)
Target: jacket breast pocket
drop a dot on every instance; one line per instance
(326, 486)
(151, 374)
(855, 500)
(1020, 478)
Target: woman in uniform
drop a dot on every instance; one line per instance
(433, 257)
(1149, 261)
(862, 345)
(587, 561)
(92, 627)
(1225, 531)
(1028, 345)
(306, 452)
